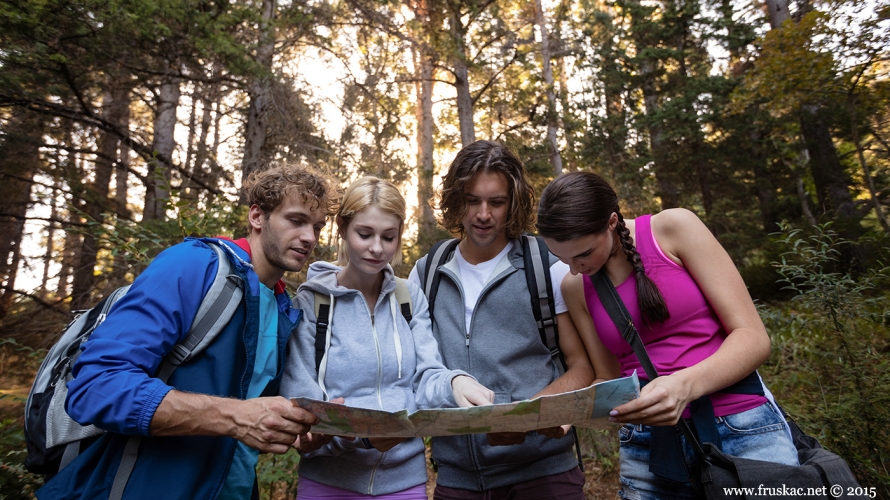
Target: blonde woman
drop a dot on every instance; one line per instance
(374, 357)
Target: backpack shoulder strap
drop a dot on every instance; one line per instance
(214, 313)
(536, 257)
(437, 256)
(403, 296)
(322, 317)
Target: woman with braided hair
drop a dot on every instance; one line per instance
(696, 319)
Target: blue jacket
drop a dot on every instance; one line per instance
(114, 388)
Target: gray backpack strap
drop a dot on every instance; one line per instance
(537, 274)
(128, 461)
(213, 315)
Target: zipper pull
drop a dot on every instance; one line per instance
(468, 340)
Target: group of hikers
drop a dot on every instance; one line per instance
(475, 341)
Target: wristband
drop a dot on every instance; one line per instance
(367, 443)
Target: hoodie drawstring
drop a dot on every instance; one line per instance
(395, 324)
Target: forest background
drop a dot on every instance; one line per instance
(126, 125)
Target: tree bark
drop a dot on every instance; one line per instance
(461, 76)
(20, 157)
(832, 182)
(547, 73)
(425, 126)
(778, 13)
(115, 103)
(666, 187)
(50, 242)
(866, 172)
(260, 93)
(163, 142)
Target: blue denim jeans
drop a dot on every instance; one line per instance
(758, 433)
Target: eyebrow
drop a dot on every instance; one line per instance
(369, 228)
(582, 253)
(495, 197)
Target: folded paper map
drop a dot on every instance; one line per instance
(583, 408)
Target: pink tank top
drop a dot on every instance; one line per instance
(691, 334)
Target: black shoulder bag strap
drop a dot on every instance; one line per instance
(437, 257)
(666, 457)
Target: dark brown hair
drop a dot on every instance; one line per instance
(578, 204)
(489, 157)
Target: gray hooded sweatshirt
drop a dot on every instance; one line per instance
(374, 360)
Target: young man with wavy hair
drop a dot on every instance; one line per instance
(484, 324)
(202, 430)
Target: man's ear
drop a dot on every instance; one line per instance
(255, 218)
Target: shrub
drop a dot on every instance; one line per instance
(830, 367)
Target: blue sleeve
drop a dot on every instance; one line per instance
(114, 386)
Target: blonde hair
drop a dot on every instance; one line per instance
(361, 194)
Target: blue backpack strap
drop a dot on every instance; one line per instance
(438, 256)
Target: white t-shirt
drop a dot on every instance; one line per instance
(474, 277)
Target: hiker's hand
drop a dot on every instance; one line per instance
(505, 438)
(468, 392)
(661, 402)
(311, 441)
(270, 424)
(382, 444)
(557, 432)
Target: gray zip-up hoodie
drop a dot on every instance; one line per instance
(504, 351)
(374, 360)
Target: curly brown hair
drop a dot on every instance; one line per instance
(266, 188)
(489, 157)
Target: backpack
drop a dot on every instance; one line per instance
(53, 438)
(536, 256)
(323, 314)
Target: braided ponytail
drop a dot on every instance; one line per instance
(578, 204)
(649, 298)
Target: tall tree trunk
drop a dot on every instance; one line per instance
(115, 103)
(461, 76)
(425, 125)
(50, 240)
(778, 13)
(163, 143)
(260, 93)
(188, 185)
(803, 196)
(20, 157)
(552, 120)
(201, 149)
(666, 187)
(866, 172)
(832, 182)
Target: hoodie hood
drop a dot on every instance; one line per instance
(322, 278)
